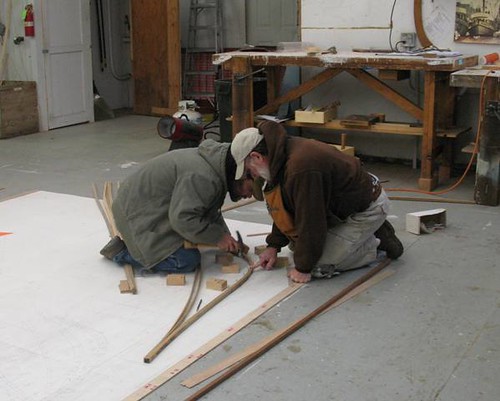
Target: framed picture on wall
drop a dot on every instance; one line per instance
(477, 21)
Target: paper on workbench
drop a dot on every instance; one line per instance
(67, 333)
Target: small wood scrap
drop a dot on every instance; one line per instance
(217, 284)
(282, 261)
(259, 249)
(224, 258)
(360, 120)
(176, 279)
(232, 268)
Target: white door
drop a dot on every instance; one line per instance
(270, 22)
(66, 62)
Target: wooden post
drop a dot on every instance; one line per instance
(427, 182)
(486, 191)
(242, 94)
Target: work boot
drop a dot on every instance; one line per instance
(113, 247)
(388, 241)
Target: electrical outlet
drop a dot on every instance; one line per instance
(409, 40)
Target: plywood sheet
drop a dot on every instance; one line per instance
(67, 332)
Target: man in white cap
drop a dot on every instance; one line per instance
(322, 202)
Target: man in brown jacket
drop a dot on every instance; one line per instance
(322, 202)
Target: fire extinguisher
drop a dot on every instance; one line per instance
(29, 21)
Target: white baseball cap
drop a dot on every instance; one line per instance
(243, 143)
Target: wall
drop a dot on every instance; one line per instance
(337, 23)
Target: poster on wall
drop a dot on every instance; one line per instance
(477, 21)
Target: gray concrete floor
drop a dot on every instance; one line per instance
(429, 332)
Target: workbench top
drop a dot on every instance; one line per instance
(394, 61)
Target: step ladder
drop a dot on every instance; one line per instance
(205, 37)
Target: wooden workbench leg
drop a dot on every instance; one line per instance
(242, 96)
(486, 191)
(427, 181)
(274, 78)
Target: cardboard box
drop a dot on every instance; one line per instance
(425, 221)
(320, 116)
(18, 108)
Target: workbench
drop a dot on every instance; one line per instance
(436, 113)
(487, 186)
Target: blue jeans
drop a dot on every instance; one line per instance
(181, 261)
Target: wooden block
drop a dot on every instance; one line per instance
(176, 279)
(224, 258)
(217, 284)
(320, 116)
(124, 287)
(259, 249)
(282, 261)
(232, 268)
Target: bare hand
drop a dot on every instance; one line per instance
(299, 277)
(268, 258)
(228, 244)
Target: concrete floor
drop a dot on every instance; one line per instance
(429, 332)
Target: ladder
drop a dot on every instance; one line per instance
(205, 37)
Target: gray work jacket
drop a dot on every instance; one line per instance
(173, 197)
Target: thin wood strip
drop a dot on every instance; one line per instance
(419, 199)
(100, 207)
(168, 339)
(258, 234)
(219, 367)
(210, 345)
(238, 204)
(182, 317)
(290, 329)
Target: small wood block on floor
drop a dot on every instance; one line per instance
(217, 284)
(282, 261)
(176, 279)
(224, 258)
(232, 268)
(124, 287)
(259, 249)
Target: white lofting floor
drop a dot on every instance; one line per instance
(67, 333)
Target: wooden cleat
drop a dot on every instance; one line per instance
(217, 284)
(232, 268)
(282, 261)
(224, 258)
(176, 279)
(259, 249)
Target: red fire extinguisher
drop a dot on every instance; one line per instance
(29, 21)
